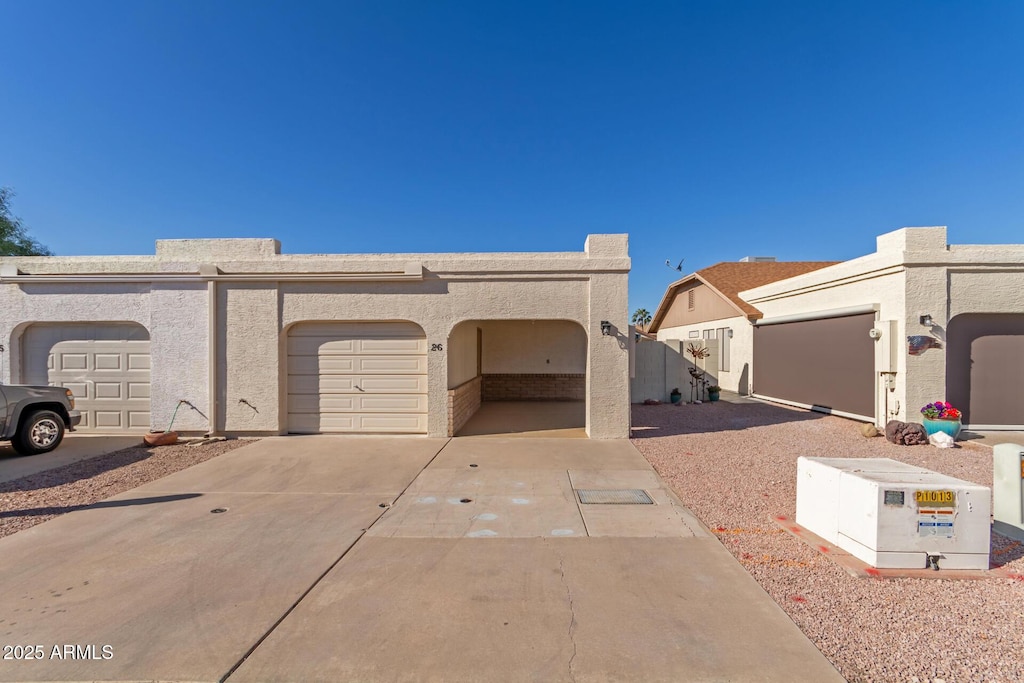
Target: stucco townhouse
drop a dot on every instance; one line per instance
(260, 342)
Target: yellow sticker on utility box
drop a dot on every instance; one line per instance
(935, 498)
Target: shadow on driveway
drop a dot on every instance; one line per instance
(76, 471)
(60, 510)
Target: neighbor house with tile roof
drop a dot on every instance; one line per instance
(706, 305)
(874, 338)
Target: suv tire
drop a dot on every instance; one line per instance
(40, 432)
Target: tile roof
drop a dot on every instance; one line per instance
(732, 277)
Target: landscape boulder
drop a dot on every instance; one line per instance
(905, 433)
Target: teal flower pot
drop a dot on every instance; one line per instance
(713, 395)
(951, 427)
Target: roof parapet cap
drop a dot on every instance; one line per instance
(227, 249)
(913, 239)
(607, 246)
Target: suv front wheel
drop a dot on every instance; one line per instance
(40, 432)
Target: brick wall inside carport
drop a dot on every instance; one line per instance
(534, 387)
(463, 402)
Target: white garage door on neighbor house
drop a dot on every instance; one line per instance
(107, 366)
(357, 377)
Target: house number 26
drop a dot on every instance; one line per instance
(437, 347)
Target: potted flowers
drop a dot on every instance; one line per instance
(676, 395)
(713, 392)
(941, 417)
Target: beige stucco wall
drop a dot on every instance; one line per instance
(534, 346)
(260, 294)
(175, 319)
(606, 409)
(462, 354)
(180, 355)
(913, 272)
(876, 280)
(948, 282)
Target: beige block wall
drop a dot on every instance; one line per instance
(741, 348)
(649, 372)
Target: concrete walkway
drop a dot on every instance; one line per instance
(481, 566)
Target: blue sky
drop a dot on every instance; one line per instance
(706, 130)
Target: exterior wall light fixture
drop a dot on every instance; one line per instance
(606, 328)
(927, 320)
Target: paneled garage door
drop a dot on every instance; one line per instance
(105, 365)
(985, 371)
(827, 363)
(357, 377)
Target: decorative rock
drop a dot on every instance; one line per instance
(905, 433)
(868, 431)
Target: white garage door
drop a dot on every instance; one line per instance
(105, 365)
(357, 377)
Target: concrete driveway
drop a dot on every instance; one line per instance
(73, 448)
(278, 562)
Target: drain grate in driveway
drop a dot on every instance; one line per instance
(614, 497)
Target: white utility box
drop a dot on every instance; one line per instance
(893, 515)
(1008, 490)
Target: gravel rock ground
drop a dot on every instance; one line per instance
(34, 499)
(734, 466)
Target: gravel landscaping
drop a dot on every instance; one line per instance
(734, 466)
(36, 498)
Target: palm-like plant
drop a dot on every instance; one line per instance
(641, 318)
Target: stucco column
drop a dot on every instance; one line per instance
(178, 351)
(608, 358)
(437, 376)
(925, 377)
(249, 340)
